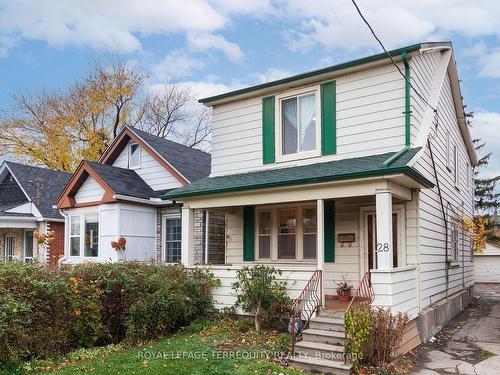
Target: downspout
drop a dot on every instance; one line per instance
(404, 56)
(206, 236)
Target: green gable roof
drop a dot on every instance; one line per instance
(366, 166)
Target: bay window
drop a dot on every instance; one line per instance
(286, 233)
(84, 235)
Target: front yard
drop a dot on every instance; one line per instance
(217, 346)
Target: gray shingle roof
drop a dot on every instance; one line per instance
(50, 185)
(359, 167)
(193, 164)
(123, 181)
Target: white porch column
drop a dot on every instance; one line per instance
(383, 199)
(187, 243)
(320, 242)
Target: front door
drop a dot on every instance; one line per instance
(371, 239)
(9, 247)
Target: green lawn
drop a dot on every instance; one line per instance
(220, 347)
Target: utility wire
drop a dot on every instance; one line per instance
(390, 57)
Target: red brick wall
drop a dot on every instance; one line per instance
(56, 249)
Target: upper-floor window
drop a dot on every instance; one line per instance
(298, 124)
(134, 156)
(448, 151)
(455, 165)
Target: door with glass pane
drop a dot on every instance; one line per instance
(28, 246)
(173, 238)
(371, 243)
(9, 247)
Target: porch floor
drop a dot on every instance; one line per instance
(332, 304)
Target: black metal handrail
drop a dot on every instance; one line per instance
(305, 306)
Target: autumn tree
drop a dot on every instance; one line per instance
(58, 129)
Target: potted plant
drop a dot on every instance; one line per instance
(344, 289)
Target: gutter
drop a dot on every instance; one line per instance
(152, 202)
(404, 56)
(395, 157)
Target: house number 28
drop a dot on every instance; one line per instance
(382, 247)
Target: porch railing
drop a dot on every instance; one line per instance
(305, 306)
(364, 295)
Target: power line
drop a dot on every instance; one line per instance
(390, 57)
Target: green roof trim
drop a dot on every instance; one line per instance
(330, 69)
(338, 170)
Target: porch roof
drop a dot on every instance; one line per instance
(367, 166)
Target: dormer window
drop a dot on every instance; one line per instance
(134, 156)
(298, 125)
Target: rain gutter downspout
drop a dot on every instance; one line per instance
(404, 57)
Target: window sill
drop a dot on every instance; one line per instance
(454, 264)
(297, 156)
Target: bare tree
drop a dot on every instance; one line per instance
(116, 85)
(199, 134)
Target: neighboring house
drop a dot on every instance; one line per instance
(330, 172)
(27, 195)
(119, 196)
(487, 265)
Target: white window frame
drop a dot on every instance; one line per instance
(139, 149)
(258, 235)
(448, 151)
(454, 243)
(456, 166)
(164, 218)
(299, 231)
(280, 157)
(79, 236)
(13, 255)
(25, 243)
(82, 235)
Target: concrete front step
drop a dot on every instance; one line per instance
(313, 364)
(320, 350)
(324, 336)
(332, 314)
(327, 324)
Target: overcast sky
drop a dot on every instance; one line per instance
(220, 45)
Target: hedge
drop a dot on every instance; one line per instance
(46, 312)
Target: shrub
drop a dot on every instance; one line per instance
(46, 312)
(375, 333)
(259, 293)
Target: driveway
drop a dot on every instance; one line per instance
(470, 344)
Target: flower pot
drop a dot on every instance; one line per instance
(344, 296)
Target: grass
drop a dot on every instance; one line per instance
(224, 346)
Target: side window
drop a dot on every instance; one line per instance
(455, 165)
(454, 242)
(448, 151)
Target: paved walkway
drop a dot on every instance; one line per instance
(470, 344)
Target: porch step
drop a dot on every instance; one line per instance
(321, 365)
(324, 336)
(332, 314)
(328, 324)
(320, 350)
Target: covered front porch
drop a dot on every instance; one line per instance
(16, 238)
(341, 229)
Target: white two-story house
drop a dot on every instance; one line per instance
(356, 169)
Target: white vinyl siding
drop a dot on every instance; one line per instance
(370, 120)
(431, 227)
(90, 191)
(137, 224)
(150, 170)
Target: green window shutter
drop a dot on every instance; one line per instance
(328, 118)
(329, 222)
(248, 234)
(268, 130)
